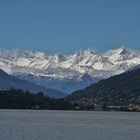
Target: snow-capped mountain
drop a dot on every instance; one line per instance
(68, 72)
(122, 54)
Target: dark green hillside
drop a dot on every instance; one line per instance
(18, 99)
(119, 90)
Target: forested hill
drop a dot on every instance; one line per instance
(19, 99)
(118, 90)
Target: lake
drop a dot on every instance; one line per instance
(68, 125)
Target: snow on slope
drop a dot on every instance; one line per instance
(66, 72)
(122, 54)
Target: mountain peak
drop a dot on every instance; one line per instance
(58, 57)
(124, 47)
(121, 54)
(59, 67)
(87, 51)
(124, 50)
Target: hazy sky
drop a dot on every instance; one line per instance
(68, 25)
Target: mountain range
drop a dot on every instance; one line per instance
(8, 82)
(67, 73)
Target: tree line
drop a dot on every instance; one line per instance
(19, 99)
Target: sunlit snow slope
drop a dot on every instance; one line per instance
(68, 73)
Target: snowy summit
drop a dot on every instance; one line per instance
(68, 72)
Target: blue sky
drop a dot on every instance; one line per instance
(68, 25)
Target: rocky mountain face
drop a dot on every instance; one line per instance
(68, 73)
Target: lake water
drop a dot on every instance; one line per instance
(68, 125)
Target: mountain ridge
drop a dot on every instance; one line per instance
(59, 71)
(119, 91)
(8, 81)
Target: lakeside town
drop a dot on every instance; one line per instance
(91, 104)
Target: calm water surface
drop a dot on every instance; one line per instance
(68, 125)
